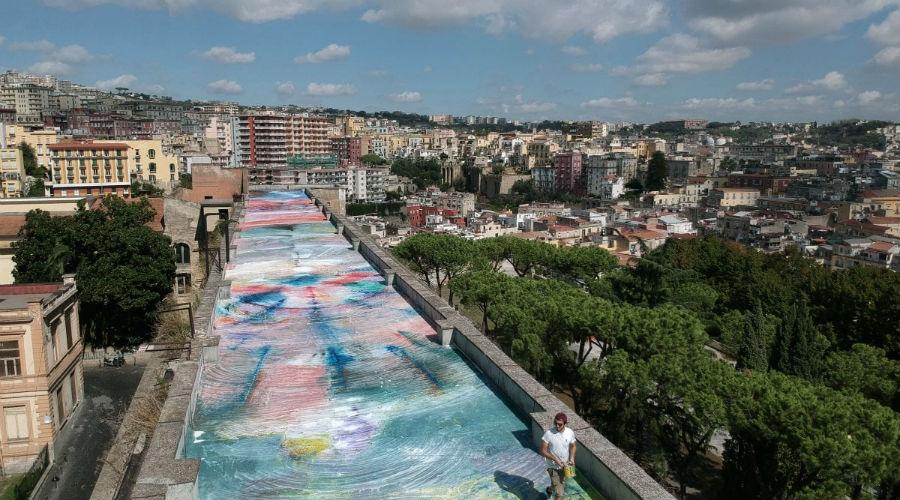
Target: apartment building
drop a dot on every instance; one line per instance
(39, 139)
(568, 171)
(12, 172)
(149, 161)
(89, 168)
(268, 139)
(347, 150)
(31, 101)
(41, 376)
(613, 164)
(733, 197)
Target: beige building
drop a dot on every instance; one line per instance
(733, 197)
(148, 161)
(12, 172)
(89, 168)
(109, 167)
(41, 377)
(39, 139)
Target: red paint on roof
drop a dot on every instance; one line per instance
(29, 288)
(86, 145)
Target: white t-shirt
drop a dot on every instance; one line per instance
(558, 444)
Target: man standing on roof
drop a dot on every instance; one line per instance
(558, 447)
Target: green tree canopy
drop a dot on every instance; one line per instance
(792, 439)
(123, 268)
(656, 172)
(372, 159)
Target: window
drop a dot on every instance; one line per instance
(74, 388)
(152, 168)
(182, 254)
(68, 322)
(9, 359)
(15, 419)
(151, 153)
(182, 283)
(171, 167)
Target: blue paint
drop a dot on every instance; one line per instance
(337, 361)
(250, 381)
(401, 353)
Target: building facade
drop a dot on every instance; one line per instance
(268, 139)
(41, 376)
(89, 168)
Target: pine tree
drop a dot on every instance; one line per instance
(656, 172)
(754, 348)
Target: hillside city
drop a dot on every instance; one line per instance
(718, 300)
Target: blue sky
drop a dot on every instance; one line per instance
(642, 60)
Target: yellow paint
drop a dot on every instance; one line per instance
(299, 447)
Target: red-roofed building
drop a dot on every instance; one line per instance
(81, 168)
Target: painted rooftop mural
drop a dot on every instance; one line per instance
(330, 385)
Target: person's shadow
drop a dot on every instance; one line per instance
(519, 486)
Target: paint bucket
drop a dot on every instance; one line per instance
(569, 471)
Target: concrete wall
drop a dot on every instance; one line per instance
(605, 466)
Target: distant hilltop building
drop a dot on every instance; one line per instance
(695, 124)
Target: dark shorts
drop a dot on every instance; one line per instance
(557, 481)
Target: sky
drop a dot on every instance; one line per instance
(615, 60)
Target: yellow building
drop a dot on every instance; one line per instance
(148, 162)
(12, 172)
(41, 376)
(100, 167)
(39, 139)
(89, 168)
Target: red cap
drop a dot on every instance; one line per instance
(561, 416)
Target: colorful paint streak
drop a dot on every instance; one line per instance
(327, 384)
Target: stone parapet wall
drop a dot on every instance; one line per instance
(602, 463)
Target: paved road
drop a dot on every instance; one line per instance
(83, 447)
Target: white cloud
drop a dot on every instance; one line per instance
(602, 20)
(868, 97)
(586, 68)
(427, 69)
(35, 46)
(329, 89)
(330, 53)
(888, 56)
(253, 11)
(228, 55)
(536, 107)
(119, 81)
(378, 73)
(573, 50)
(69, 54)
(679, 53)
(407, 96)
(2, 39)
(766, 22)
(888, 32)
(767, 84)
(224, 87)
(832, 81)
(54, 68)
(651, 80)
(705, 103)
(285, 89)
(609, 102)
(154, 89)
